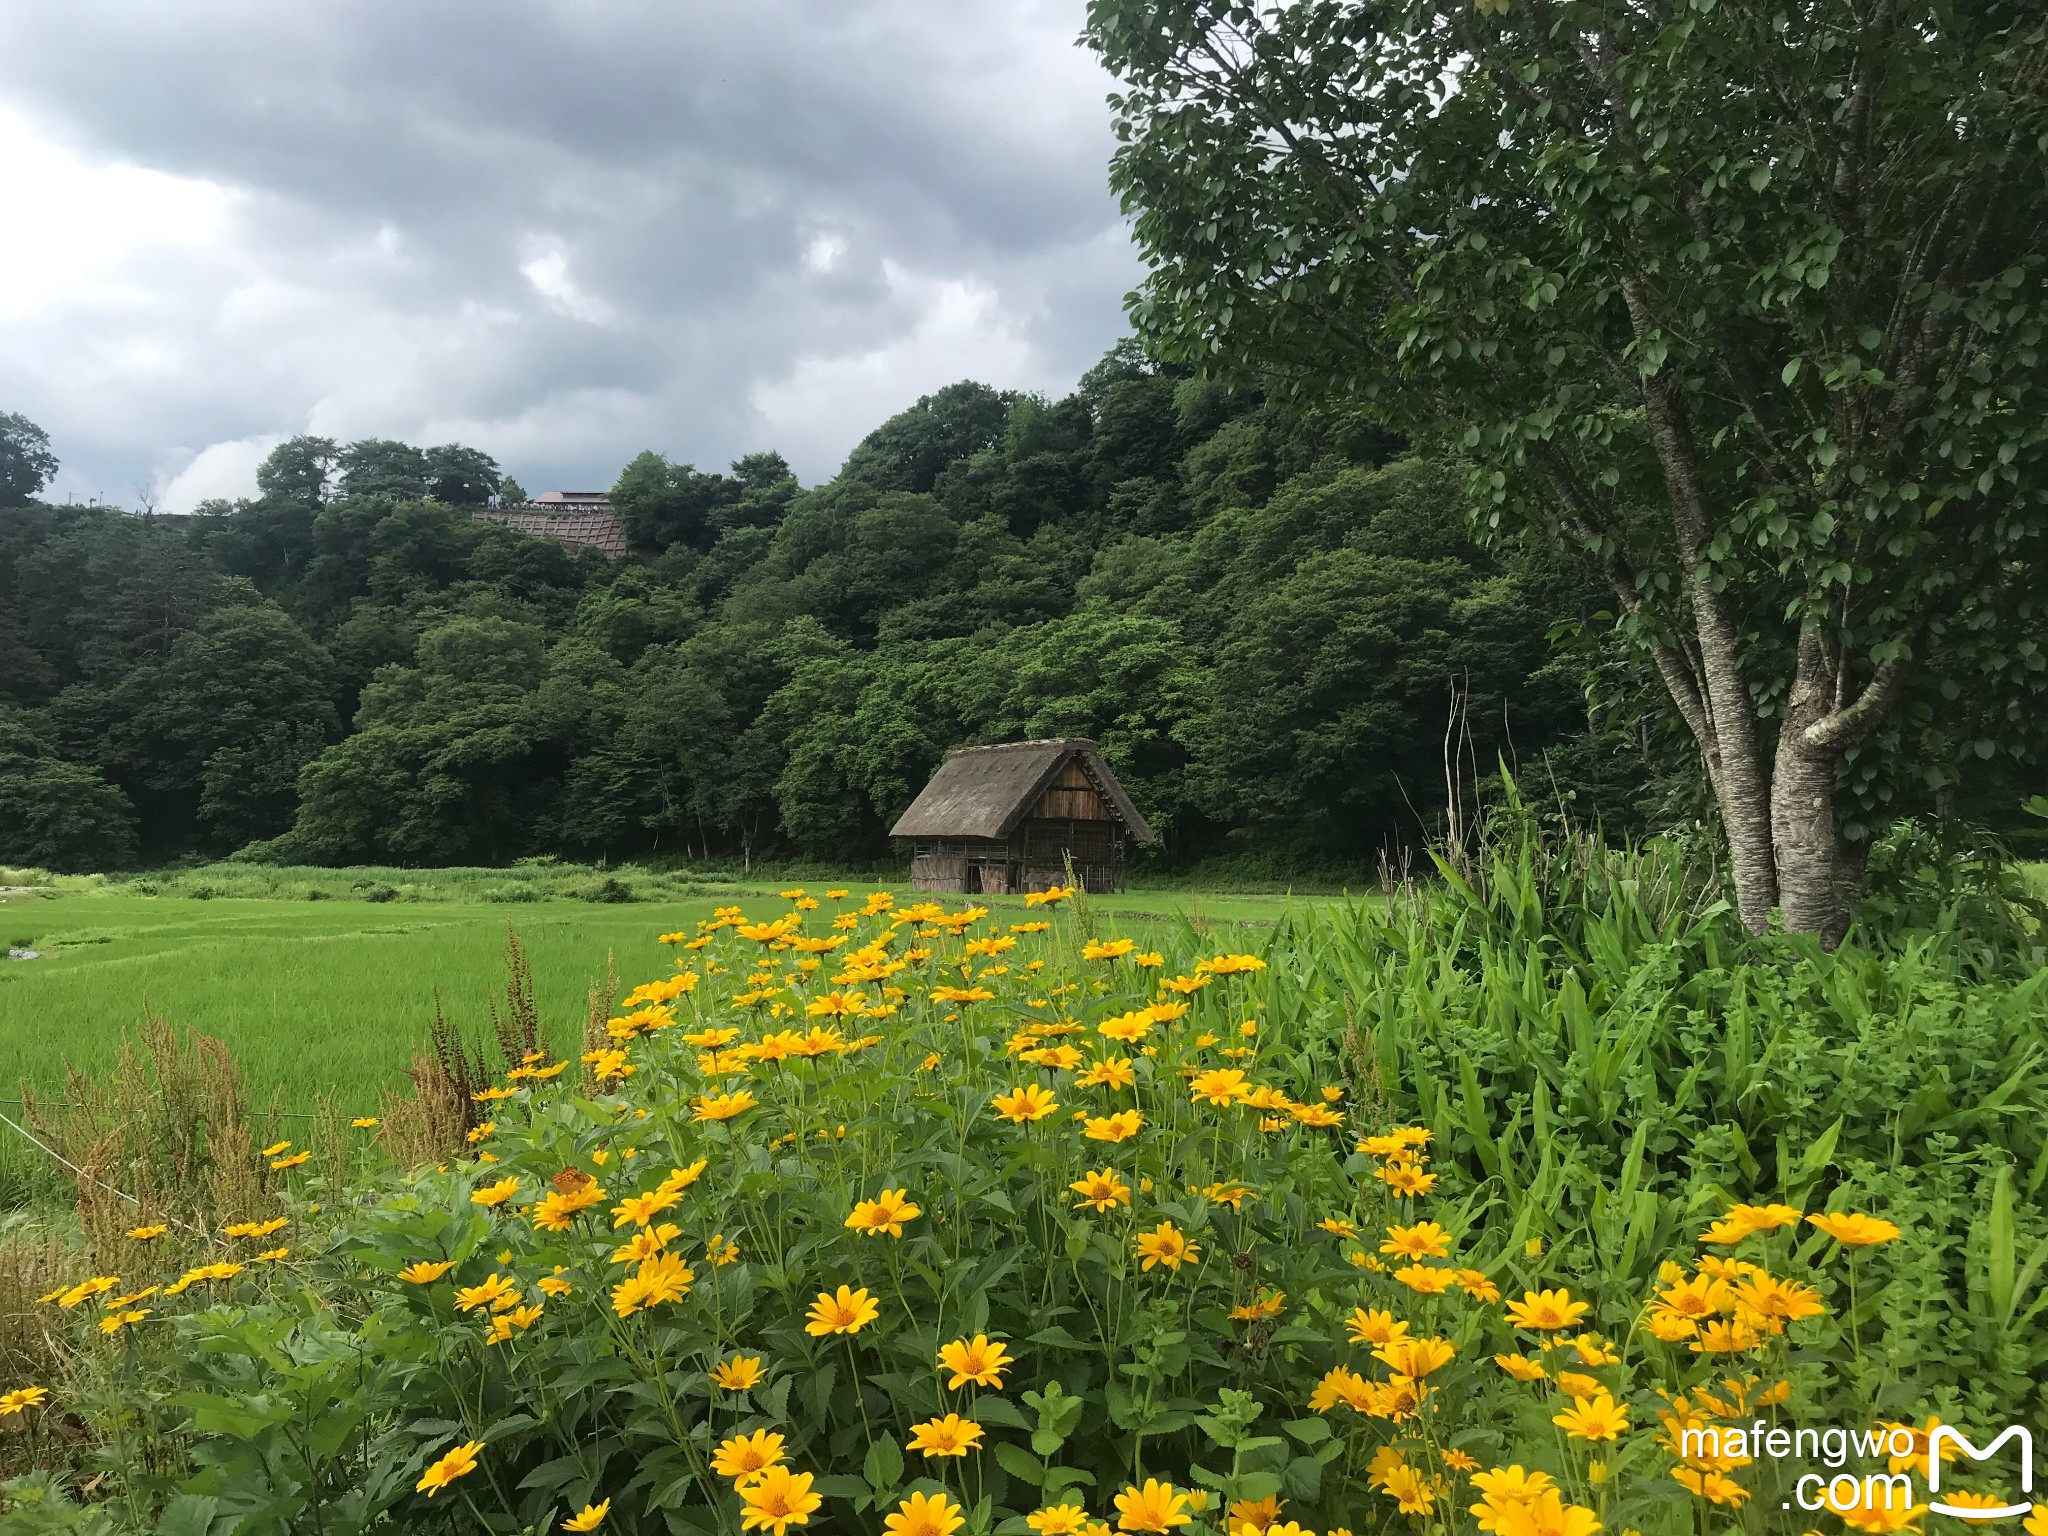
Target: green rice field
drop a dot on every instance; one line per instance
(334, 995)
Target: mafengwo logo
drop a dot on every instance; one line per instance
(1945, 1435)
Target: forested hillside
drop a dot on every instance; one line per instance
(1260, 614)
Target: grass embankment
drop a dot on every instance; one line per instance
(333, 995)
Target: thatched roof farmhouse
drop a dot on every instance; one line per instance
(1012, 817)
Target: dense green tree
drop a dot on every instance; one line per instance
(1742, 301)
(349, 668)
(26, 462)
(663, 504)
(461, 477)
(56, 814)
(299, 472)
(910, 450)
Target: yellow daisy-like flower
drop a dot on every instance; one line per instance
(737, 1374)
(1154, 1508)
(149, 1233)
(950, 1436)
(1220, 1086)
(886, 1213)
(1166, 1244)
(496, 1194)
(1424, 1240)
(776, 1500)
(1546, 1311)
(722, 1106)
(848, 1311)
(1521, 1367)
(975, 1360)
(459, 1462)
(1101, 1190)
(1121, 1126)
(743, 1456)
(1058, 1520)
(1375, 1327)
(21, 1399)
(925, 1515)
(1597, 1417)
(591, 1517)
(279, 1164)
(1853, 1229)
(1025, 1104)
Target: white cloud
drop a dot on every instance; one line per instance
(958, 329)
(223, 469)
(238, 221)
(85, 234)
(549, 274)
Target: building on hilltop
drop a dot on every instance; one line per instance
(578, 519)
(1010, 818)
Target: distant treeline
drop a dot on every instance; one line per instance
(1261, 614)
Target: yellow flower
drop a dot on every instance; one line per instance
(1852, 1229)
(1058, 1520)
(21, 1399)
(1375, 1327)
(743, 1456)
(498, 1193)
(1121, 1126)
(274, 1149)
(556, 1210)
(1219, 1086)
(459, 1462)
(363, 1123)
(256, 1228)
(1101, 1190)
(1027, 1103)
(776, 1500)
(591, 1518)
(724, 1106)
(1255, 1513)
(1505, 1494)
(1597, 1417)
(1338, 1226)
(1232, 965)
(272, 1255)
(1578, 1384)
(494, 1290)
(847, 1312)
(1415, 1358)
(1166, 1244)
(1543, 1311)
(555, 1285)
(1155, 1508)
(1458, 1461)
(737, 1374)
(721, 1250)
(642, 1209)
(148, 1234)
(1520, 1367)
(1425, 1280)
(1715, 1487)
(114, 1322)
(925, 1515)
(950, 1436)
(1107, 949)
(1405, 1179)
(1424, 1240)
(885, 1213)
(279, 1164)
(976, 1360)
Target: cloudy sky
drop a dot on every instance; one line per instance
(559, 230)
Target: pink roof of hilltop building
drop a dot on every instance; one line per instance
(573, 518)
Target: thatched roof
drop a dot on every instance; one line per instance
(986, 791)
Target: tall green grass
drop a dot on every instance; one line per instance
(1602, 1045)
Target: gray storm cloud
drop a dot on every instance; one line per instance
(562, 232)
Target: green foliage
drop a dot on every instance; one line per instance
(26, 462)
(56, 814)
(1259, 612)
(1597, 1060)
